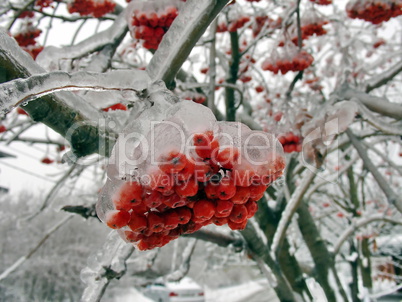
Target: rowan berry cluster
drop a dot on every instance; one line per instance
(297, 62)
(261, 21)
(322, 2)
(291, 142)
(374, 11)
(150, 21)
(95, 8)
(214, 179)
(26, 39)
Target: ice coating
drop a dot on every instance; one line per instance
(185, 170)
(50, 56)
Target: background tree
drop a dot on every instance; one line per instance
(322, 76)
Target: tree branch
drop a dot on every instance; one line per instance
(180, 39)
(389, 193)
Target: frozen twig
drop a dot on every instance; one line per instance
(21, 260)
(20, 91)
(290, 209)
(384, 77)
(182, 271)
(180, 39)
(51, 56)
(376, 121)
(107, 264)
(389, 193)
(374, 103)
(361, 223)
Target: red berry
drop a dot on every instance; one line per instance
(219, 220)
(257, 192)
(226, 189)
(137, 222)
(187, 188)
(152, 199)
(237, 226)
(174, 201)
(132, 236)
(160, 181)
(116, 219)
(115, 107)
(47, 161)
(238, 214)
(251, 207)
(203, 210)
(171, 219)
(128, 196)
(223, 208)
(184, 215)
(172, 163)
(228, 157)
(186, 172)
(156, 222)
(140, 208)
(3, 128)
(211, 190)
(241, 196)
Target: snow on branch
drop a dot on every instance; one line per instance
(361, 223)
(290, 209)
(374, 103)
(375, 121)
(180, 39)
(384, 77)
(382, 182)
(104, 265)
(20, 91)
(50, 56)
(182, 271)
(24, 258)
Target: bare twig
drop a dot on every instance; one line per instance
(21, 260)
(389, 193)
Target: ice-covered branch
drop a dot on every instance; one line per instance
(218, 238)
(376, 122)
(21, 260)
(374, 103)
(20, 91)
(180, 39)
(361, 223)
(384, 77)
(182, 271)
(389, 193)
(61, 111)
(50, 56)
(290, 209)
(107, 264)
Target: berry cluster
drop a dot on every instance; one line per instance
(261, 21)
(291, 142)
(41, 4)
(95, 8)
(217, 178)
(26, 39)
(26, 14)
(374, 11)
(322, 2)
(235, 24)
(150, 21)
(298, 62)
